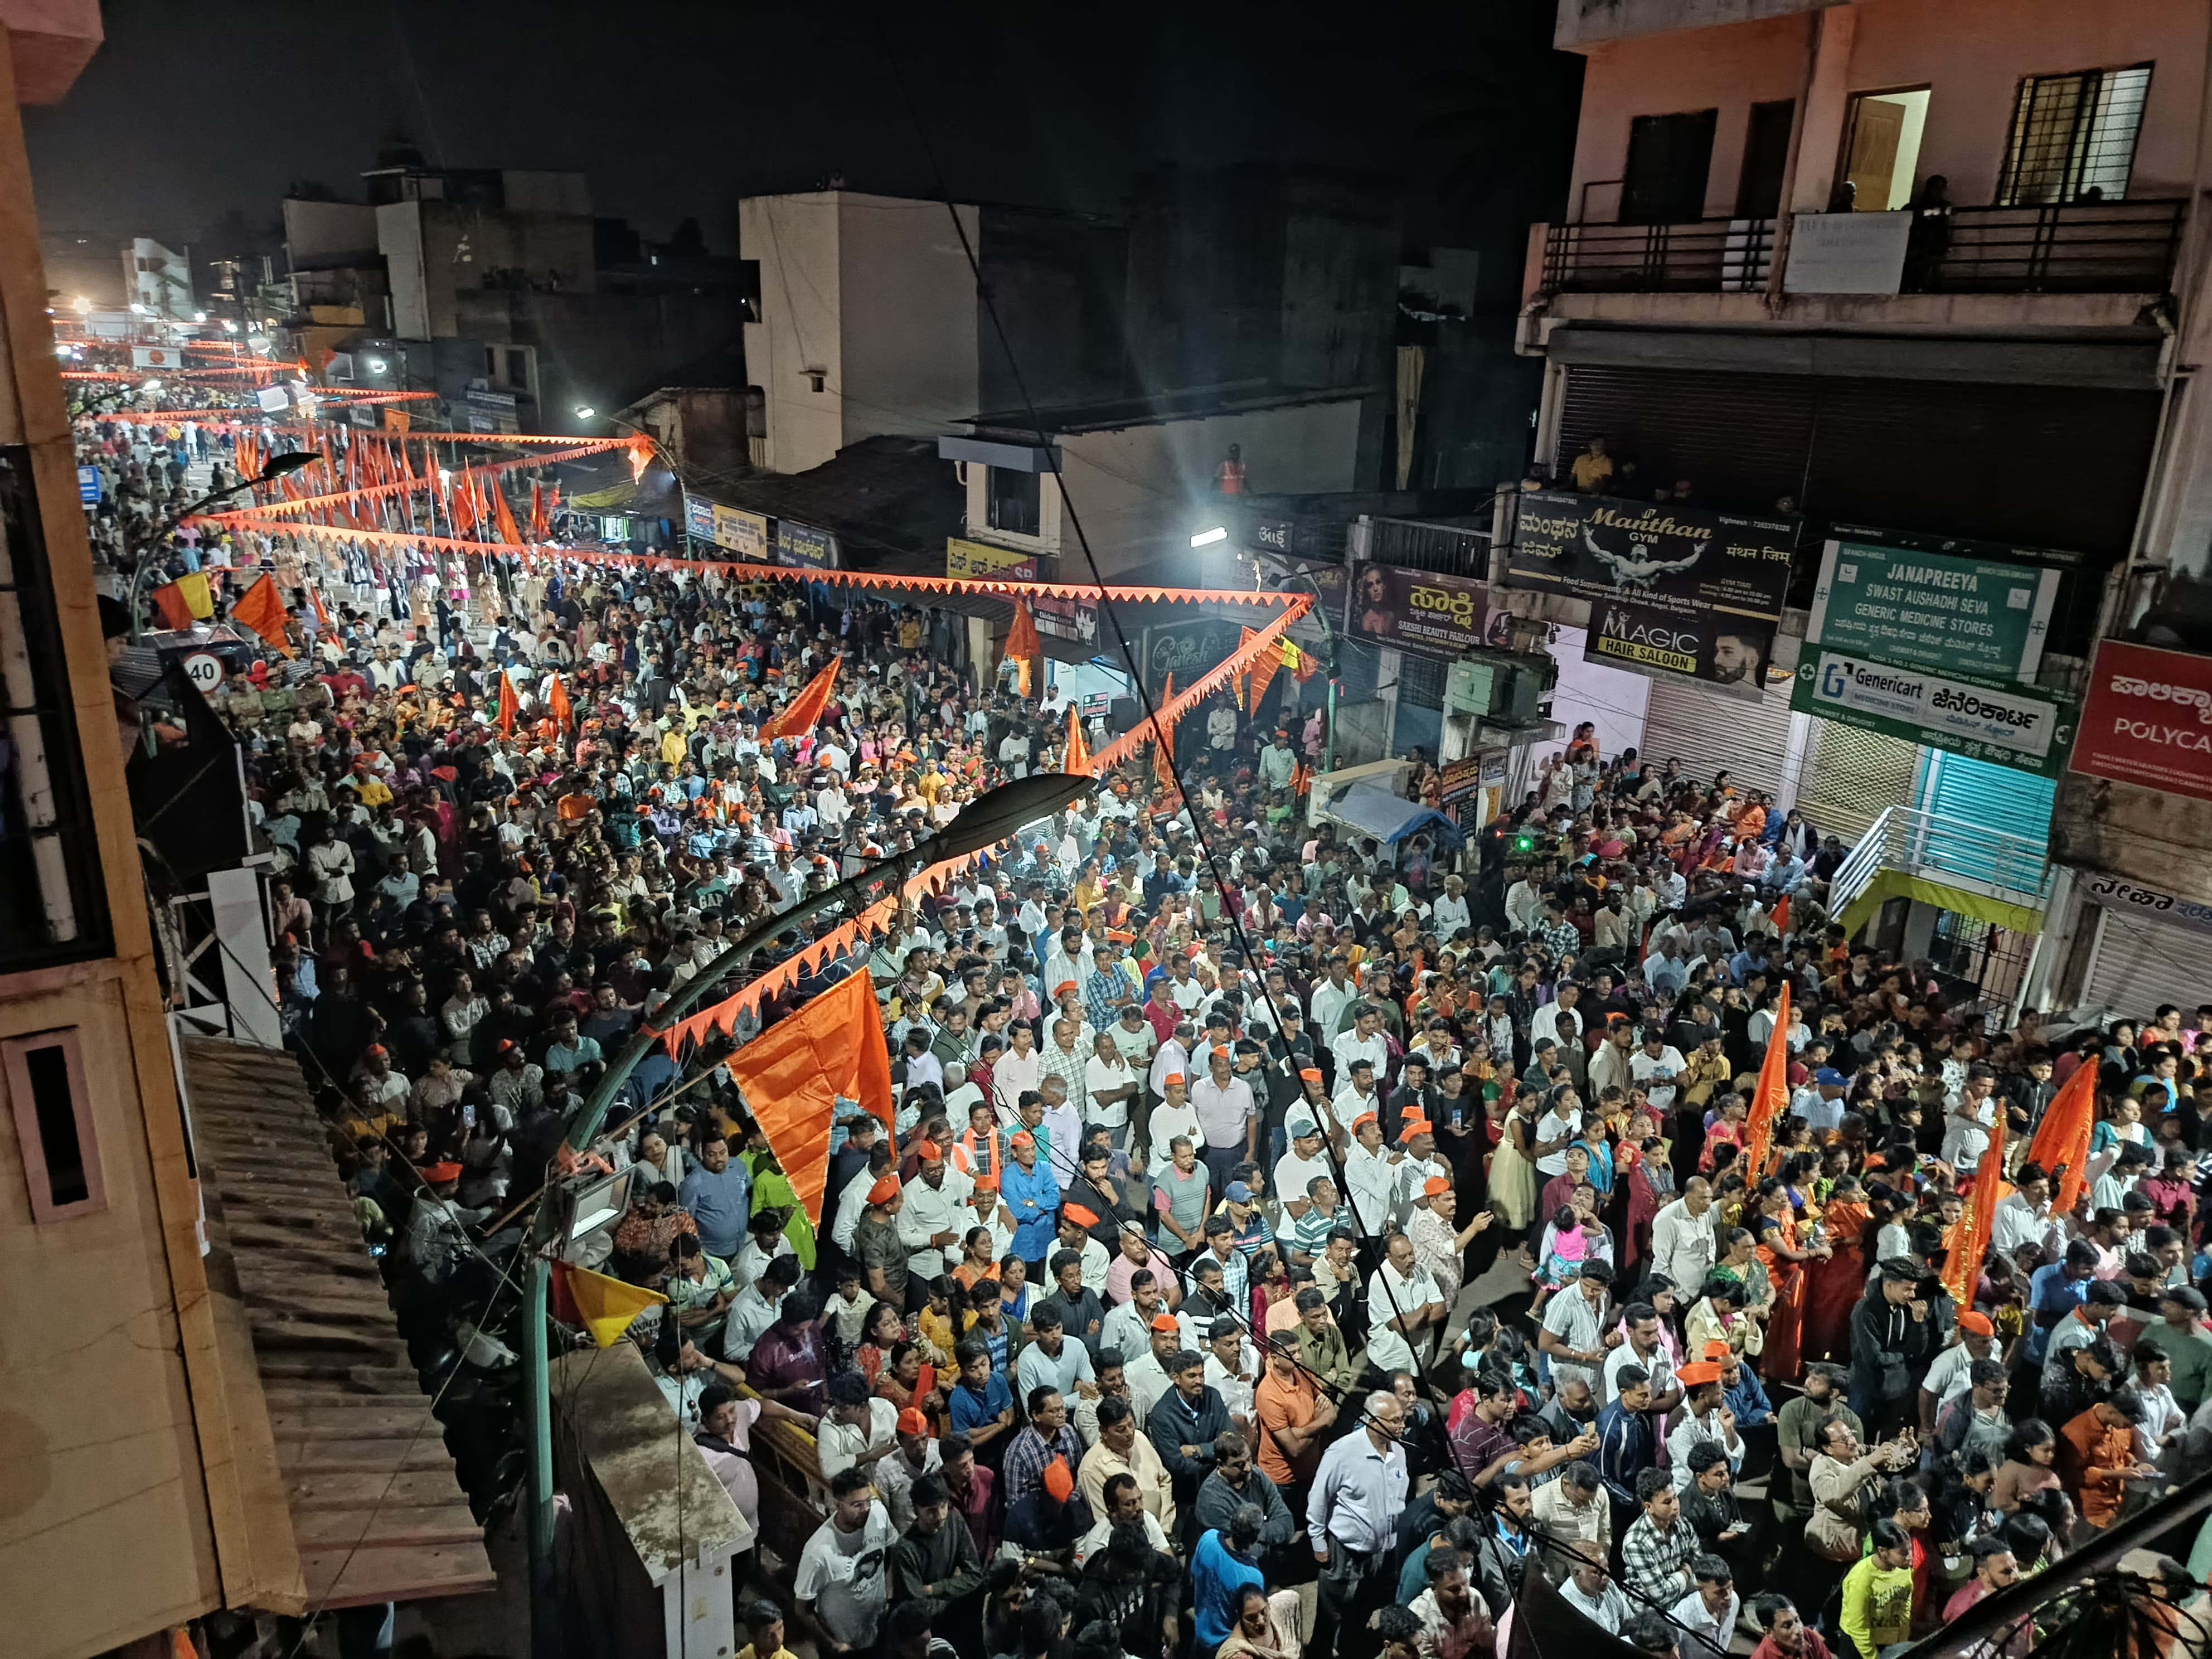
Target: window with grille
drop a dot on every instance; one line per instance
(2073, 137)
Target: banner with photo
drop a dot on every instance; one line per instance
(1419, 610)
(1723, 650)
(1327, 579)
(1680, 559)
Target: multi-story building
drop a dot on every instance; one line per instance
(178, 1398)
(1921, 280)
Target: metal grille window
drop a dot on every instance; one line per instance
(50, 902)
(2073, 137)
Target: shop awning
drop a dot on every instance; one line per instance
(1374, 810)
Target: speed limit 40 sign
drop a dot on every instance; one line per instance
(205, 670)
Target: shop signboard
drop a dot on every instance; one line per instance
(1720, 648)
(87, 485)
(802, 547)
(2025, 726)
(1065, 619)
(967, 561)
(1983, 617)
(2111, 892)
(1186, 650)
(1422, 612)
(2148, 720)
(744, 534)
(699, 517)
(1664, 557)
(1456, 779)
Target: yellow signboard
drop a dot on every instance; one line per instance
(967, 561)
(744, 534)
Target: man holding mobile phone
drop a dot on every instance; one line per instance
(1654, 1066)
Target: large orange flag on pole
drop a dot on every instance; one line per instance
(1772, 1094)
(803, 712)
(2063, 1137)
(557, 705)
(503, 516)
(1022, 644)
(262, 609)
(794, 1074)
(1962, 1268)
(509, 706)
(1077, 761)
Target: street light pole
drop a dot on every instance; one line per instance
(279, 465)
(987, 821)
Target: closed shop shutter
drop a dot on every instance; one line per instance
(2042, 466)
(2140, 963)
(1853, 776)
(1711, 732)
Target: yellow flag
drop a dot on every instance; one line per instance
(193, 589)
(603, 1306)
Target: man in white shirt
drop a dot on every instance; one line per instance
(1654, 1066)
(1449, 913)
(1707, 1615)
(931, 1222)
(2024, 1217)
(1703, 1417)
(1683, 1245)
(1328, 999)
(1363, 1040)
(1111, 1085)
(1524, 904)
(1402, 1283)
(1373, 1180)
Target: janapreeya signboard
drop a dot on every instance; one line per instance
(1953, 614)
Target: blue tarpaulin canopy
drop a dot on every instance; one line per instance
(1373, 809)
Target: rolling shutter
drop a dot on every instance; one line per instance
(2000, 798)
(1711, 732)
(2139, 963)
(1853, 776)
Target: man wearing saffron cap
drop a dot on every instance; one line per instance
(1228, 1116)
(930, 1224)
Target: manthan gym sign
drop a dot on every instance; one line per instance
(2148, 720)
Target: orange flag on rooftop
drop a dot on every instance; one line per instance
(508, 708)
(2063, 1137)
(1772, 1096)
(261, 608)
(1962, 1268)
(794, 1074)
(803, 712)
(557, 705)
(1077, 761)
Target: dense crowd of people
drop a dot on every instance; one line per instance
(1279, 1244)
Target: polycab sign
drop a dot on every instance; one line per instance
(2147, 719)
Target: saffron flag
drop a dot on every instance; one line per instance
(503, 516)
(640, 456)
(601, 1306)
(1022, 642)
(183, 601)
(461, 509)
(540, 529)
(322, 616)
(509, 706)
(262, 609)
(1263, 671)
(557, 703)
(1773, 1092)
(793, 1074)
(2063, 1137)
(803, 712)
(1780, 919)
(1163, 739)
(1962, 1268)
(1077, 761)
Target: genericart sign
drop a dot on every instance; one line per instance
(2148, 720)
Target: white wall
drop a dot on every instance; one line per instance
(399, 238)
(874, 292)
(1612, 698)
(795, 239)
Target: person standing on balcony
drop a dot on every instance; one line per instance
(1593, 467)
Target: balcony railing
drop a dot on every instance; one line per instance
(1704, 256)
(2083, 247)
(1949, 852)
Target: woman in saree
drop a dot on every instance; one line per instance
(1834, 1286)
(1785, 1255)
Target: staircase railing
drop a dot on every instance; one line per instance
(1992, 863)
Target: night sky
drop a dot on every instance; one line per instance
(192, 112)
